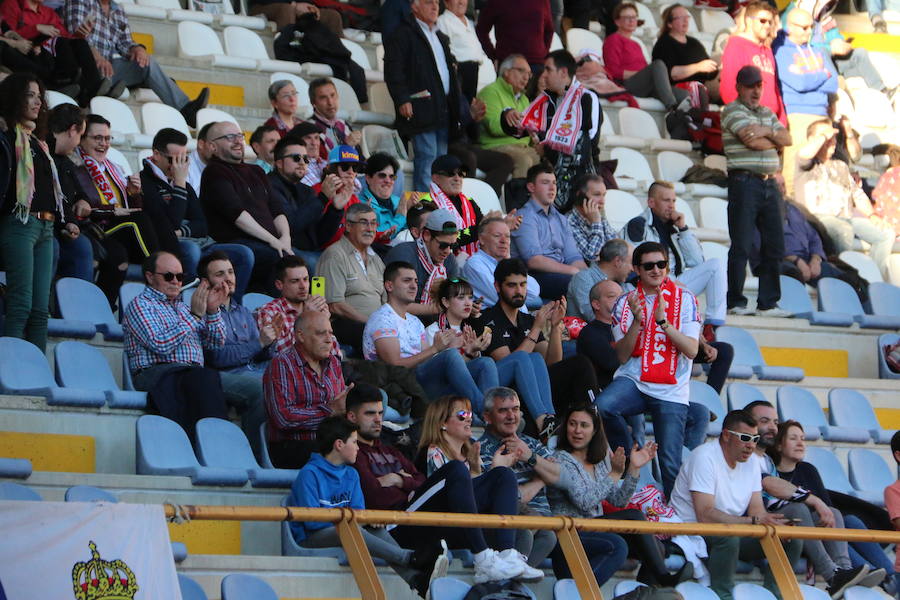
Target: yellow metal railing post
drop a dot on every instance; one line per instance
(359, 558)
(578, 562)
(782, 570)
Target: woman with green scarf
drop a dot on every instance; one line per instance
(31, 202)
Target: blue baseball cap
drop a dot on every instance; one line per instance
(343, 154)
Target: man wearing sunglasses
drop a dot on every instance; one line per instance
(339, 183)
(165, 339)
(313, 218)
(718, 483)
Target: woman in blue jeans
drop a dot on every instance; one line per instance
(30, 203)
(525, 371)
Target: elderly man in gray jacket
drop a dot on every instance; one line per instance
(660, 222)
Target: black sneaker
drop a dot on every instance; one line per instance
(189, 111)
(432, 563)
(844, 578)
(548, 429)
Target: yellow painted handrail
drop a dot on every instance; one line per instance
(348, 522)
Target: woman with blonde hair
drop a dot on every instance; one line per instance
(446, 445)
(685, 57)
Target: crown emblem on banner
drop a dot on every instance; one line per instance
(99, 579)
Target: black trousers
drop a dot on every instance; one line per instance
(74, 62)
(497, 166)
(349, 332)
(570, 380)
(290, 454)
(754, 204)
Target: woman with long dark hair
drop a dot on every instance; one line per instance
(32, 202)
(587, 478)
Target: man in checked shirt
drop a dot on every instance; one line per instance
(164, 342)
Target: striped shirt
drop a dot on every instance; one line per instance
(297, 397)
(160, 331)
(266, 314)
(736, 116)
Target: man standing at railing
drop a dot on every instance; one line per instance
(719, 484)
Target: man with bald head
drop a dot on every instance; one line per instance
(240, 206)
(806, 77)
(613, 263)
(493, 246)
(596, 339)
(303, 385)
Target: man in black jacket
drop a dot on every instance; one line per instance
(420, 73)
(311, 223)
(164, 183)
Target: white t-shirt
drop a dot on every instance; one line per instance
(690, 325)
(706, 471)
(432, 329)
(386, 323)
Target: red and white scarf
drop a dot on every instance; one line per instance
(464, 221)
(562, 134)
(96, 170)
(659, 356)
(435, 272)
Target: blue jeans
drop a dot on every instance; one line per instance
(621, 399)
(27, 250)
(426, 147)
(447, 373)
(553, 285)
(694, 430)
(876, 7)
(527, 372)
(605, 551)
(867, 552)
(240, 255)
(74, 258)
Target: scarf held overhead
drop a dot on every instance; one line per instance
(562, 133)
(659, 356)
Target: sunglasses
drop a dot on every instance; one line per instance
(169, 276)
(445, 245)
(297, 158)
(745, 437)
(660, 264)
(453, 173)
(348, 167)
(464, 415)
(391, 176)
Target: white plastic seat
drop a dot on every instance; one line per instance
(146, 11)
(240, 42)
(578, 39)
(714, 21)
(213, 115)
(377, 138)
(242, 20)
(684, 208)
(610, 139)
(555, 43)
(714, 213)
(156, 116)
(55, 98)
(359, 56)
(672, 166)
(867, 268)
(304, 108)
(199, 42)
(350, 106)
(123, 125)
(633, 165)
(481, 194)
(716, 161)
(650, 28)
(873, 109)
(487, 75)
(116, 157)
(638, 123)
(379, 57)
(620, 208)
(174, 12)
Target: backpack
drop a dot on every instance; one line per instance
(506, 589)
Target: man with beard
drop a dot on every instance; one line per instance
(292, 280)
(804, 509)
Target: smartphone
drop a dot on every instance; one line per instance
(317, 287)
(190, 285)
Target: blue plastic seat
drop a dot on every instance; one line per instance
(448, 588)
(741, 394)
(795, 299)
(18, 468)
(16, 491)
(704, 394)
(858, 592)
(81, 366)
(127, 383)
(830, 469)
(82, 300)
(190, 589)
(850, 408)
(24, 372)
(884, 371)
(128, 292)
(70, 328)
(813, 593)
(801, 405)
(885, 299)
(163, 449)
(747, 356)
(239, 586)
(838, 296)
(223, 445)
(264, 459)
(253, 300)
(751, 591)
(691, 590)
(88, 493)
(869, 474)
(625, 586)
(290, 547)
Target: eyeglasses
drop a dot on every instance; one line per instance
(745, 437)
(660, 264)
(364, 223)
(296, 158)
(521, 70)
(169, 276)
(628, 17)
(464, 415)
(383, 175)
(681, 18)
(453, 173)
(100, 139)
(445, 245)
(231, 137)
(287, 95)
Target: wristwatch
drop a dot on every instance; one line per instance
(532, 461)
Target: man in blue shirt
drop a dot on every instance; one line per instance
(544, 240)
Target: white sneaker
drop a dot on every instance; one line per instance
(741, 311)
(774, 312)
(529, 573)
(489, 566)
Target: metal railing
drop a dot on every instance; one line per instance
(348, 521)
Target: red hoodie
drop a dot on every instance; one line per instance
(741, 51)
(24, 21)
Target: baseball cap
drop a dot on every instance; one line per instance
(441, 221)
(343, 154)
(749, 75)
